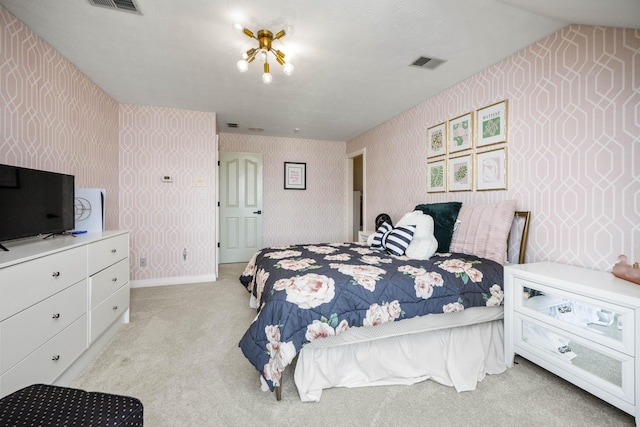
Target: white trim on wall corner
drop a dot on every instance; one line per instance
(169, 281)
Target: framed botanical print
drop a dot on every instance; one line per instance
(492, 124)
(491, 170)
(436, 140)
(460, 133)
(460, 174)
(437, 177)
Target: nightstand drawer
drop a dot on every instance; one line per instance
(608, 370)
(601, 322)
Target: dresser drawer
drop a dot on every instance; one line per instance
(604, 323)
(49, 361)
(108, 311)
(107, 281)
(106, 252)
(23, 285)
(27, 330)
(608, 370)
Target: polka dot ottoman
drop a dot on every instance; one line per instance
(47, 405)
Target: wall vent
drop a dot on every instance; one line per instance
(428, 63)
(124, 5)
(232, 125)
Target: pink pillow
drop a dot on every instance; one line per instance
(482, 230)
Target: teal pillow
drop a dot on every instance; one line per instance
(444, 219)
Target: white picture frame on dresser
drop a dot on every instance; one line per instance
(61, 301)
(580, 324)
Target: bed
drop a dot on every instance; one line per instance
(332, 306)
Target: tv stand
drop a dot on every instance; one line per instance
(61, 301)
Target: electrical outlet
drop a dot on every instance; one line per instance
(143, 262)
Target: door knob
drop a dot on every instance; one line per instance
(258, 212)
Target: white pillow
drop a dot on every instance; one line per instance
(424, 244)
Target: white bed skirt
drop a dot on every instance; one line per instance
(413, 350)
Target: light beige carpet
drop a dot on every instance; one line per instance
(180, 357)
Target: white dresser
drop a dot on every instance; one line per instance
(580, 324)
(60, 302)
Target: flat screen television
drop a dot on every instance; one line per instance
(34, 202)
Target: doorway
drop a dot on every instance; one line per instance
(240, 206)
(356, 194)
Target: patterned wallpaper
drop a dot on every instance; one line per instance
(315, 215)
(573, 142)
(166, 217)
(573, 145)
(53, 117)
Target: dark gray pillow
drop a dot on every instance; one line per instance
(444, 220)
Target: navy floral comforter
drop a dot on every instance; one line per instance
(306, 292)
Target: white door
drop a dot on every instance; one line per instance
(240, 206)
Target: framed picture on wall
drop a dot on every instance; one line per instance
(295, 176)
(491, 170)
(492, 124)
(460, 173)
(437, 177)
(436, 140)
(461, 133)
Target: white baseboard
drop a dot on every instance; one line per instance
(168, 281)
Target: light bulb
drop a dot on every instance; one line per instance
(242, 65)
(262, 56)
(288, 68)
(267, 78)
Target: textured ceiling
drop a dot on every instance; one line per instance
(351, 58)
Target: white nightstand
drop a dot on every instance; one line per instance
(580, 324)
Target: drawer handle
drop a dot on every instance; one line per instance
(115, 307)
(115, 279)
(113, 251)
(56, 358)
(564, 309)
(564, 349)
(55, 316)
(56, 274)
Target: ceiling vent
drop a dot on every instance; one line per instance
(124, 5)
(428, 63)
(232, 125)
